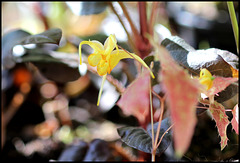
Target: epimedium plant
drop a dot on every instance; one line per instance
(183, 74)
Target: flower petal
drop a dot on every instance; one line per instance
(143, 63)
(110, 44)
(208, 82)
(94, 59)
(115, 57)
(102, 67)
(206, 78)
(96, 45)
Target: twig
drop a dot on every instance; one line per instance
(160, 119)
(134, 29)
(158, 129)
(151, 109)
(124, 27)
(164, 134)
(153, 17)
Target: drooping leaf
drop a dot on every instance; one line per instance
(218, 62)
(9, 40)
(90, 8)
(182, 96)
(52, 36)
(235, 119)
(138, 138)
(135, 100)
(217, 111)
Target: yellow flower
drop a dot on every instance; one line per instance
(107, 56)
(206, 78)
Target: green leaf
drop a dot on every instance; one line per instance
(52, 36)
(90, 8)
(140, 139)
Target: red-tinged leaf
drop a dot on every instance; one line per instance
(217, 111)
(235, 119)
(182, 97)
(135, 100)
(219, 84)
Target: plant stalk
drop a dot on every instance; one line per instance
(124, 27)
(151, 109)
(143, 20)
(234, 22)
(134, 29)
(153, 17)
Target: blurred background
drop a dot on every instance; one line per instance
(48, 107)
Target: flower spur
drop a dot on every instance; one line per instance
(106, 58)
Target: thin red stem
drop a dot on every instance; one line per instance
(143, 20)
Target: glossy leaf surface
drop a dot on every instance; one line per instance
(141, 139)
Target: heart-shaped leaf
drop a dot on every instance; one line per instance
(135, 100)
(140, 139)
(182, 96)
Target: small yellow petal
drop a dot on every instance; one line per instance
(206, 78)
(116, 56)
(205, 73)
(94, 59)
(110, 44)
(97, 47)
(102, 67)
(208, 82)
